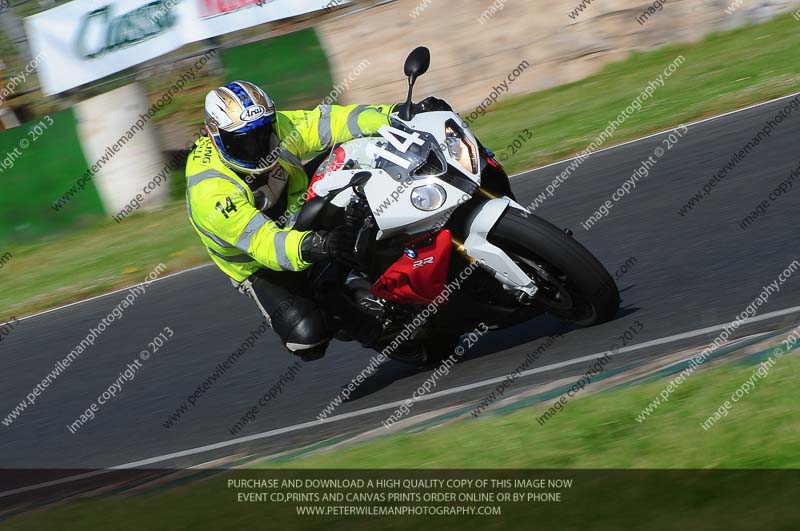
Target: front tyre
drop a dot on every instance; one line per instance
(573, 284)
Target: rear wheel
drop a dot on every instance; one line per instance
(573, 284)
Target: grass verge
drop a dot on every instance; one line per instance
(600, 431)
(97, 259)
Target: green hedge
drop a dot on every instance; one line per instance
(36, 175)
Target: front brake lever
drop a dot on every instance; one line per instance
(362, 239)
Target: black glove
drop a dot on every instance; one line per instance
(337, 245)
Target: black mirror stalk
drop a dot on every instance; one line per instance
(405, 112)
(417, 64)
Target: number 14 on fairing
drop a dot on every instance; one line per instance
(400, 140)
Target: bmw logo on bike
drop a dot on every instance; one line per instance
(411, 253)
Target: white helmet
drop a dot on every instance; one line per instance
(240, 120)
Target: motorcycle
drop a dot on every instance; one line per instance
(442, 246)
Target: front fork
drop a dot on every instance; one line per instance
(477, 248)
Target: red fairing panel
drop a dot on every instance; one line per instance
(417, 280)
(334, 165)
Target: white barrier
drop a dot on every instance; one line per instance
(124, 168)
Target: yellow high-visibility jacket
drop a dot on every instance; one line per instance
(239, 238)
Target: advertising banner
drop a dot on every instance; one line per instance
(85, 40)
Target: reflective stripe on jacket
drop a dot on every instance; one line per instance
(239, 238)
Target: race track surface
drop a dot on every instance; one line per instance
(690, 272)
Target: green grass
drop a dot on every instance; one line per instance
(594, 431)
(600, 431)
(721, 73)
(725, 71)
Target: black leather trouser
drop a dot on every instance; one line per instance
(303, 326)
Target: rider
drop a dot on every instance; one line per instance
(246, 181)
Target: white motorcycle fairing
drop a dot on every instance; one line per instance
(397, 166)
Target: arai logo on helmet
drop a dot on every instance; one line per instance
(253, 113)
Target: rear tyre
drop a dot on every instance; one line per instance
(573, 284)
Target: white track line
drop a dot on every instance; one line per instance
(451, 391)
(691, 124)
(120, 290)
(383, 407)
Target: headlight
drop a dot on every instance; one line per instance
(461, 148)
(429, 197)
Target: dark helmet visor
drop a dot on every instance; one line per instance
(253, 145)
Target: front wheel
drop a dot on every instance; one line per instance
(573, 284)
